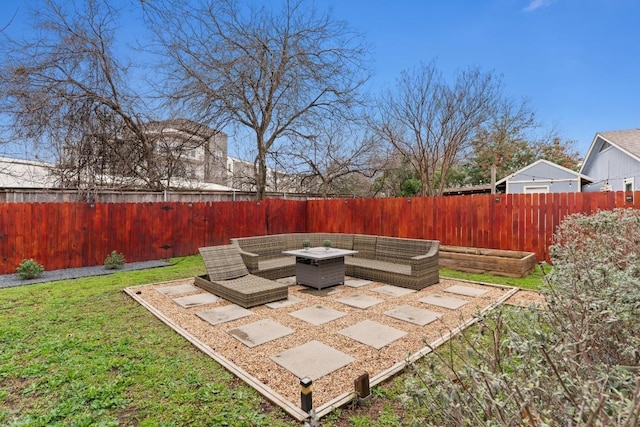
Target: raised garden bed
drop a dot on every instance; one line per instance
(493, 261)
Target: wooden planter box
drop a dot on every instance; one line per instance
(493, 261)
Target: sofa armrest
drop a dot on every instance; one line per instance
(250, 260)
(421, 264)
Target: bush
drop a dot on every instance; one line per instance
(29, 269)
(114, 261)
(575, 362)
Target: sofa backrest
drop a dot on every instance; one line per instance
(365, 245)
(395, 249)
(266, 246)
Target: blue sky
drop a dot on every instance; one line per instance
(577, 61)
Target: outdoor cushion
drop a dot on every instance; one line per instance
(379, 265)
(276, 263)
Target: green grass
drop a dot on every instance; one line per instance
(533, 281)
(81, 352)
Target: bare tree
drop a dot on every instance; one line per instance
(66, 90)
(268, 71)
(432, 123)
(328, 161)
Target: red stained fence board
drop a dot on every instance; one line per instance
(63, 235)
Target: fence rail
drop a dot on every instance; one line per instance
(63, 235)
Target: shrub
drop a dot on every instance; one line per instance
(595, 288)
(29, 269)
(114, 261)
(573, 363)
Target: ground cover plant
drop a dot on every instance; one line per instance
(81, 352)
(29, 269)
(577, 362)
(114, 261)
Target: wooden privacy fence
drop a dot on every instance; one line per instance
(63, 235)
(524, 222)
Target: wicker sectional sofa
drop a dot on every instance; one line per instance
(409, 263)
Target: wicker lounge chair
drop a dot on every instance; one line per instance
(229, 278)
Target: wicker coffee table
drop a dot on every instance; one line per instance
(320, 267)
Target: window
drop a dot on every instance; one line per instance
(533, 189)
(628, 184)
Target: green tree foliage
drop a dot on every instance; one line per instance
(510, 142)
(398, 179)
(574, 361)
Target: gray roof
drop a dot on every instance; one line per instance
(628, 140)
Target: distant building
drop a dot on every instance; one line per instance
(613, 161)
(18, 173)
(202, 150)
(543, 176)
(241, 176)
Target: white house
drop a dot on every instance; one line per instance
(18, 173)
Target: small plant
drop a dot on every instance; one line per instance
(114, 261)
(306, 243)
(327, 244)
(29, 269)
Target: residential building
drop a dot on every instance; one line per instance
(201, 151)
(241, 176)
(543, 176)
(19, 173)
(613, 161)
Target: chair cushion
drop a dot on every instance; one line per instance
(270, 264)
(223, 262)
(379, 265)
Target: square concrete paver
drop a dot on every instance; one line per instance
(394, 291)
(466, 291)
(224, 314)
(313, 359)
(326, 292)
(196, 300)
(360, 301)
(373, 334)
(177, 289)
(443, 301)
(290, 281)
(259, 332)
(419, 316)
(356, 283)
(291, 299)
(317, 314)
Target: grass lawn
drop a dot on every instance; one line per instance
(81, 352)
(533, 281)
